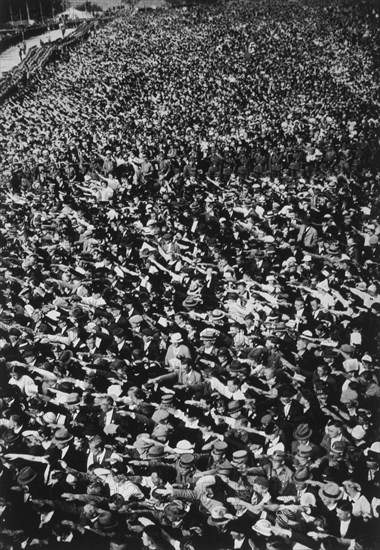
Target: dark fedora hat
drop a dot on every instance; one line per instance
(302, 432)
(234, 407)
(301, 476)
(26, 475)
(106, 521)
(62, 436)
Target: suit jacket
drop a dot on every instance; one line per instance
(192, 378)
(73, 458)
(115, 419)
(307, 236)
(294, 414)
(355, 529)
(153, 351)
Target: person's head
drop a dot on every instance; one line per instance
(344, 511)
(278, 459)
(261, 485)
(90, 511)
(299, 304)
(351, 487)
(236, 533)
(17, 372)
(15, 421)
(152, 537)
(186, 364)
(323, 370)
(95, 488)
(176, 340)
(315, 304)
(96, 445)
(106, 404)
(158, 477)
(118, 544)
(334, 429)
(116, 502)
(233, 384)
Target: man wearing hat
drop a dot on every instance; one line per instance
(329, 494)
(298, 487)
(275, 471)
(208, 350)
(218, 455)
(176, 350)
(302, 458)
(240, 533)
(235, 416)
(186, 469)
(70, 414)
(302, 435)
(219, 519)
(64, 450)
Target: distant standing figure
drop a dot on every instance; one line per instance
(62, 26)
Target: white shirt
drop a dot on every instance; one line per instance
(360, 505)
(344, 525)
(287, 409)
(275, 445)
(108, 418)
(223, 390)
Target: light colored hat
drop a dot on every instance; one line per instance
(330, 490)
(308, 499)
(49, 418)
(358, 432)
(351, 365)
(73, 399)
(263, 527)
(219, 514)
(374, 448)
(184, 446)
(176, 338)
(208, 334)
(306, 335)
(136, 319)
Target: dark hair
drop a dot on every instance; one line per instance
(154, 532)
(344, 506)
(331, 543)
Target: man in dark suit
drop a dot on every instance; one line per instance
(64, 450)
(151, 347)
(108, 414)
(345, 525)
(289, 412)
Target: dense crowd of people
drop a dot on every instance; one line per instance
(190, 306)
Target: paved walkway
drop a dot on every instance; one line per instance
(10, 58)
